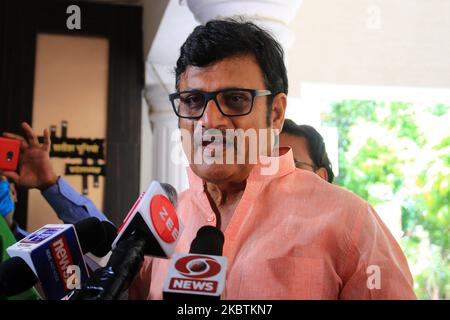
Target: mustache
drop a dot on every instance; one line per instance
(203, 137)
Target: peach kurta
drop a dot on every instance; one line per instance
(292, 236)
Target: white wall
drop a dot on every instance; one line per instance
(371, 42)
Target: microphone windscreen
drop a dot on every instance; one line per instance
(104, 247)
(90, 233)
(15, 277)
(209, 240)
(171, 193)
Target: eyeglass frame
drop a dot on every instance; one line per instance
(313, 166)
(213, 95)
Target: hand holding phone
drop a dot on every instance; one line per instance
(34, 168)
(9, 154)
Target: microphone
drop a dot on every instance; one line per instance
(101, 248)
(154, 219)
(150, 228)
(199, 275)
(15, 277)
(53, 255)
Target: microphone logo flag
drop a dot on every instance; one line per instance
(197, 267)
(196, 274)
(164, 218)
(53, 253)
(153, 216)
(62, 257)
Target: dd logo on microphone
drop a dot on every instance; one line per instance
(195, 272)
(197, 267)
(164, 218)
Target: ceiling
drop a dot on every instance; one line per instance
(127, 2)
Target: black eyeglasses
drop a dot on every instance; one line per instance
(299, 164)
(231, 102)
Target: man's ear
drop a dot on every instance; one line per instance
(323, 173)
(279, 104)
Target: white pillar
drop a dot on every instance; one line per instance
(273, 15)
(167, 158)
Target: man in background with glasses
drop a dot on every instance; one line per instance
(288, 234)
(308, 149)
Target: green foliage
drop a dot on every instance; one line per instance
(430, 269)
(401, 151)
(439, 110)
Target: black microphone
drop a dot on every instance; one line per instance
(16, 275)
(209, 240)
(95, 236)
(102, 248)
(150, 228)
(199, 275)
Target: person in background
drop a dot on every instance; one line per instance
(8, 200)
(7, 238)
(35, 170)
(8, 197)
(308, 148)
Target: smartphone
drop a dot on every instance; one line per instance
(9, 154)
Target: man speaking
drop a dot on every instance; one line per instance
(288, 233)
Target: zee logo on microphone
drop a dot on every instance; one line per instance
(195, 268)
(164, 218)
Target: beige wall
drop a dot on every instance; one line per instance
(70, 84)
(341, 41)
(152, 13)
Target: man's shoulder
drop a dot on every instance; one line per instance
(303, 180)
(300, 184)
(312, 197)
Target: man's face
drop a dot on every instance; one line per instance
(13, 196)
(236, 72)
(299, 147)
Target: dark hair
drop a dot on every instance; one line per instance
(316, 145)
(220, 39)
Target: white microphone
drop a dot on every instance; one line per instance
(153, 215)
(54, 256)
(150, 228)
